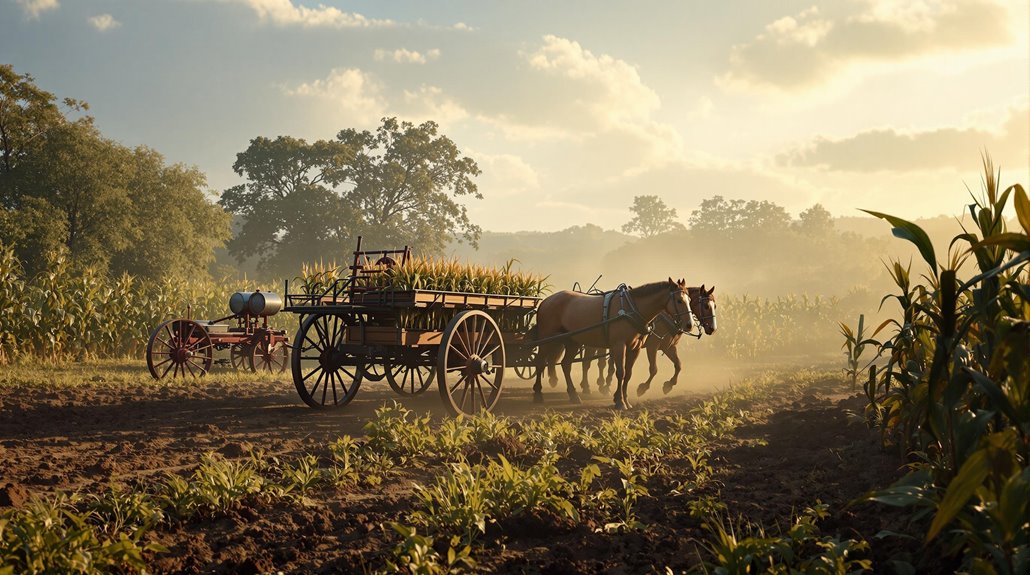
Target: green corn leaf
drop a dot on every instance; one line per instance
(907, 230)
(971, 476)
(1022, 207)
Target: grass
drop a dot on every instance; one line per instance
(120, 372)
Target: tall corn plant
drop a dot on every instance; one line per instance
(956, 389)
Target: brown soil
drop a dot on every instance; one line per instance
(799, 450)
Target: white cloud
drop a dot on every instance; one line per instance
(431, 103)
(286, 13)
(350, 93)
(504, 175)
(614, 92)
(405, 56)
(815, 47)
(104, 22)
(463, 27)
(34, 8)
(888, 149)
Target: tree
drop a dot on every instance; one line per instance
(191, 225)
(407, 181)
(719, 215)
(27, 115)
(815, 221)
(651, 217)
(63, 185)
(289, 208)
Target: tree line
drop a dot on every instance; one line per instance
(65, 187)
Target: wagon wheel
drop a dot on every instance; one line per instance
(325, 375)
(375, 372)
(239, 357)
(181, 347)
(470, 367)
(410, 379)
(270, 354)
(526, 369)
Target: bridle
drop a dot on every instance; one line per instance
(707, 313)
(677, 319)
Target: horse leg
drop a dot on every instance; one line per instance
(544, 359)
(611, 372)
(652, 363)
(584, 383)
(552, 373)
(566, 367)
(631, 358)
(674, 356)
(619, 356)
(602, 362)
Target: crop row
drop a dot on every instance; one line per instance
(533, 473)
(955, 390)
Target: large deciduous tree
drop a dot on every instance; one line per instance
(651, 217)
(407, 184)
(64, 186)
(289, 209)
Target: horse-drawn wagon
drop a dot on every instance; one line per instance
(356, 330)
(366, 326)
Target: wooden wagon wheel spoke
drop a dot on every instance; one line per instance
(462, 365)
(409, 379)
(318, 348)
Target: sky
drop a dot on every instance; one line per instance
(571, 108)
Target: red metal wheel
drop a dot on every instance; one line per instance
(239, 357)
(270, 354)
(180, 347)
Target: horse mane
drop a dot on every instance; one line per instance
(649, 289)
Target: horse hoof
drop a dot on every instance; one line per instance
(621, 406)
(574, 398)
(667, 388)
(553, 383)
(538, 398)
(642, 389)
(585, 391)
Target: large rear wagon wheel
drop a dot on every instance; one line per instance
(325, 375)
(179, 347)
(470, 365)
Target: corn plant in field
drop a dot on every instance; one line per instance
(956, 387)
(855, 342)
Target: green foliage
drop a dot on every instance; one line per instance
(115, 209)
(60, 313)
(289, 210)
(741, 547)
(408, 186)
(855, 342)
(415, 555)
(651, 217)
(956, 387)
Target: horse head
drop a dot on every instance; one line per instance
(678, 306)
(702, 303)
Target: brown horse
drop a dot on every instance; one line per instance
(667, 333)
(617, 321)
